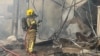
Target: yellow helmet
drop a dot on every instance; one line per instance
(29, 12)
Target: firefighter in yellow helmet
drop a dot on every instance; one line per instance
(30, 12)
(29, 25)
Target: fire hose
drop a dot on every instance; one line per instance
(13, 53)
(26, 44)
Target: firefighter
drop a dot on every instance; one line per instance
(29, 25)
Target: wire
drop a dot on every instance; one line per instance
(91, 23)
(33, 4)
(15, 54)
(87, 19)
(65, 20)
(68, 6)
(42, 14)
(32, 1)
(17, 16)
(62, 10)
(74, 6)
(90, 13)
(61, 21)
(28, 4)
(42, 18)
(56, 30)
(57, 33)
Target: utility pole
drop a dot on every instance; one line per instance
(17, 17)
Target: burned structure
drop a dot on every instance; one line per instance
(68, 28)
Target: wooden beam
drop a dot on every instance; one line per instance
(98, 21)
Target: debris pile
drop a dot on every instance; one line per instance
(82, 45)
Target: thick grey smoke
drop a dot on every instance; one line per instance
(53, 15)
(5, 18)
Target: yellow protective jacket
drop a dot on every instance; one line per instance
(29, 22)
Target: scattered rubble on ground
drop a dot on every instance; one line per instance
(46, 48)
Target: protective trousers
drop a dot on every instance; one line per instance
(30, 40)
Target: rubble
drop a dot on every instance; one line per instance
(9, 40)
(46, 48)
(18, 51)
(76, 40)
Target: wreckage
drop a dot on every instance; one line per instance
(70, 31)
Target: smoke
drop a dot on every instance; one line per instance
(53, 14)
(5, 19)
